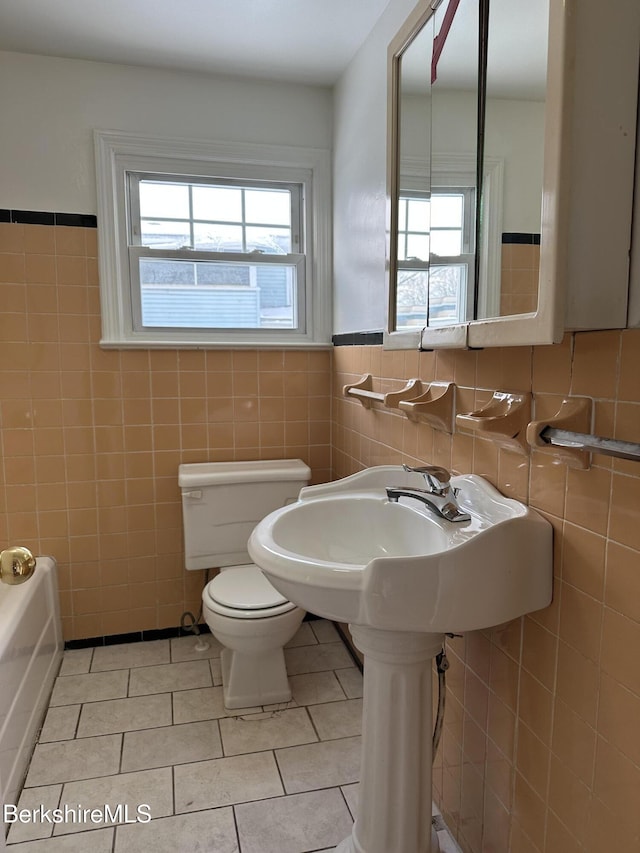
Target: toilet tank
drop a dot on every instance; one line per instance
(223, 501)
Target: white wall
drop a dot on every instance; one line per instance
(514, 132)
(50, 106)
(359, 148)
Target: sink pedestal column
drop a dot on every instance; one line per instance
(394, 811)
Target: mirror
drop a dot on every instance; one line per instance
(466, 145)
(514, 120)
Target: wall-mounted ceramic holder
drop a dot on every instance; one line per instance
(504, 419)
(363, 391)
(436, 406)
(575, 414)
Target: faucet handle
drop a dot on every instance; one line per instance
(438, 478)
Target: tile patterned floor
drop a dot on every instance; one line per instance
(145, 723)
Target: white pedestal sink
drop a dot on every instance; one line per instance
(402, 578)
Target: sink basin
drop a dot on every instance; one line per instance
(403, 577)
(343, 551)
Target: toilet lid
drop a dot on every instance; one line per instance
(245, 588)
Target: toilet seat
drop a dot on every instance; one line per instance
(243, 592)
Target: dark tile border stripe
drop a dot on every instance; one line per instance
(141, 636)
(41, 217)
(516, 237)
(77, 220)
(358, 339)
(133, 637)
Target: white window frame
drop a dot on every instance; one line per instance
(118, 154)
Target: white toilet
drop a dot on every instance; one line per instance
(221, 504)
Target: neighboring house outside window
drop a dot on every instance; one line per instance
(206, 244)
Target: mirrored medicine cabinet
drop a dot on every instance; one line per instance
(510, 171)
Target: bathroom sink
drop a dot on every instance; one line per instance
(345, 552)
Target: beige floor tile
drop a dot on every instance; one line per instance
(69, 760)
(225, 781)
(280, 706)
(171, 745)
(324, 656)
(293, 824)
(212, 830)
(319, 765)
(204, 703)
(76, 661)
(130, 654)
(124, 715)
(269, 730)
(97, 841)
(325, 631)
(351, 794)
(315, 687)
(93, 687)
(216, 671)
(337, 719)
(32, 798)
(184, 648)
(60, 723)
(351, 682)
(170, 676)
(304, 636)
(151, 788)
(311, 816)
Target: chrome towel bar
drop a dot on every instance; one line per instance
(591, 443)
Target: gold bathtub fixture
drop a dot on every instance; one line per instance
(17, 564)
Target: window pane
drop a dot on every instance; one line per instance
(164, 235)
(221, 204)
(446, 243)
(210, 295)
(273, 241)
(447, 294)
(418, 246)
(272, 207)
(217, 238)
(412, 298)
(166, 272)
(207, 273)
(447, 211)
(169, 201)
(418, 215)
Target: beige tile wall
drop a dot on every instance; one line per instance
(541, 744)
(91, 439)
(519, 278)
(541, 748)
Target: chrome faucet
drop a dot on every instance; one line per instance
(439, 495)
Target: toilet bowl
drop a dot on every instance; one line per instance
(221, 504)
(253, 622)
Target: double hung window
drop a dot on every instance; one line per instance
(214, 250)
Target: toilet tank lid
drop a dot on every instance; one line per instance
(260, 471)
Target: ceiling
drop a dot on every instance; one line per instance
(517, 44)
(306, 41)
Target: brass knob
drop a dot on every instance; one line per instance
(17, 564)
